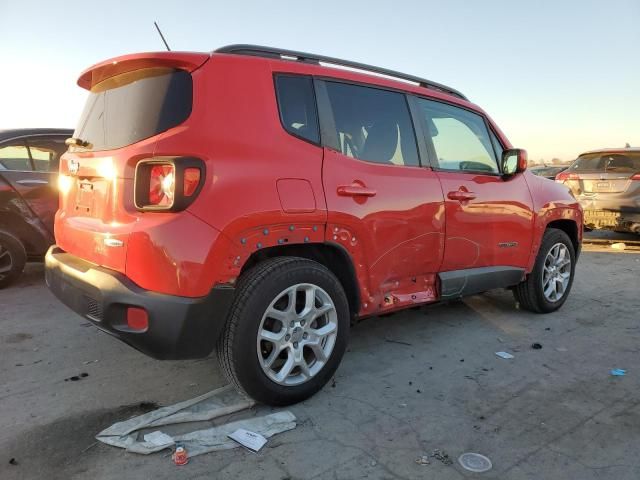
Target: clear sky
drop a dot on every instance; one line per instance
(559, 77)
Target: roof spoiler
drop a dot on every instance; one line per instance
(128, 63)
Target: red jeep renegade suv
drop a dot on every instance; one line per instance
(257, 200)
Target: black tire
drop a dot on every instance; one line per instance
(12, 259)
(529, 293)
(237, 346)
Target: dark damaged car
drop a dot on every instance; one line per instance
(29, 160)
(607, 185)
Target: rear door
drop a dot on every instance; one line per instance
(383, 206)
(488, 217)
(30, 165)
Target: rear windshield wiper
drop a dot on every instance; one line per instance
(78, 142)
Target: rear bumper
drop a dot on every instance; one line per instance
(612, 220)
(179, 327)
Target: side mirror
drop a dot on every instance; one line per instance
(514, 161)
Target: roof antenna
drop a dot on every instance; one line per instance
(162, 36)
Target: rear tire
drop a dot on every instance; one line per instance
(12, 259)
(286, 332)
(547, 287)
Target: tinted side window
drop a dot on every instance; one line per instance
(46, 152)
(15, 156)
(372, 124)
(297, 105)
(460, 137)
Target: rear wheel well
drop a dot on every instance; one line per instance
(334, 257)
(571, 229)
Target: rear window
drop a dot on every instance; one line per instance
(607, 162)
(132, 106)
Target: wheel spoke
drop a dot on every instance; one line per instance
(275, 353)
(325, 330)
(277, 314)
(286, 368)
(324, 309)
(309, 301)
(549, 289)
(318, 351)
(300, 362)
(291, 294)
(273, 337)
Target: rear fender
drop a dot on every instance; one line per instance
(241, 245)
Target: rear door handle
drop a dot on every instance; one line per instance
(355, 191)
(461, 195)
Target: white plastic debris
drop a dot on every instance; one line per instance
(158, 439)
(619, 246)
(474, 462)
(504, 355)
(215, 404)
(252, 440)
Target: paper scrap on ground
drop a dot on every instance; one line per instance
(504, 355)
(215, 404)
(158, 439)
(253, 441)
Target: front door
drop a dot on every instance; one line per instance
(383, 206)
(488, 217)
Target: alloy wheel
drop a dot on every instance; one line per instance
(556, 272)
(297, 334)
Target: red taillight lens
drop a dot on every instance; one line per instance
(636, 176)
(168, 184)
(562, 176)
(191, 181)
(161, 185)
(137, 319)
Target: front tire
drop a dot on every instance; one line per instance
(286, 332)
(547, 287)
(12, 259)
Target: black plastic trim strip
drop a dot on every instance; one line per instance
(460, 283)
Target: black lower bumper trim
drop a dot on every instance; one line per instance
(179, 327)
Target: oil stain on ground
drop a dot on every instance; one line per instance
(63, 446)
(17, 337)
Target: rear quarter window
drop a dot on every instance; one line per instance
(297, 106)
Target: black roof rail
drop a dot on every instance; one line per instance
(279, 53)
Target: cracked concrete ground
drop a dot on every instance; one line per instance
(410, 383)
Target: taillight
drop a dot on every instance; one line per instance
(191, 181)
(161, 185)
(167, 183)
(562, 176)
(636, 176)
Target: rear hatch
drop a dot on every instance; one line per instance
(133, 100)
(604, 173)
